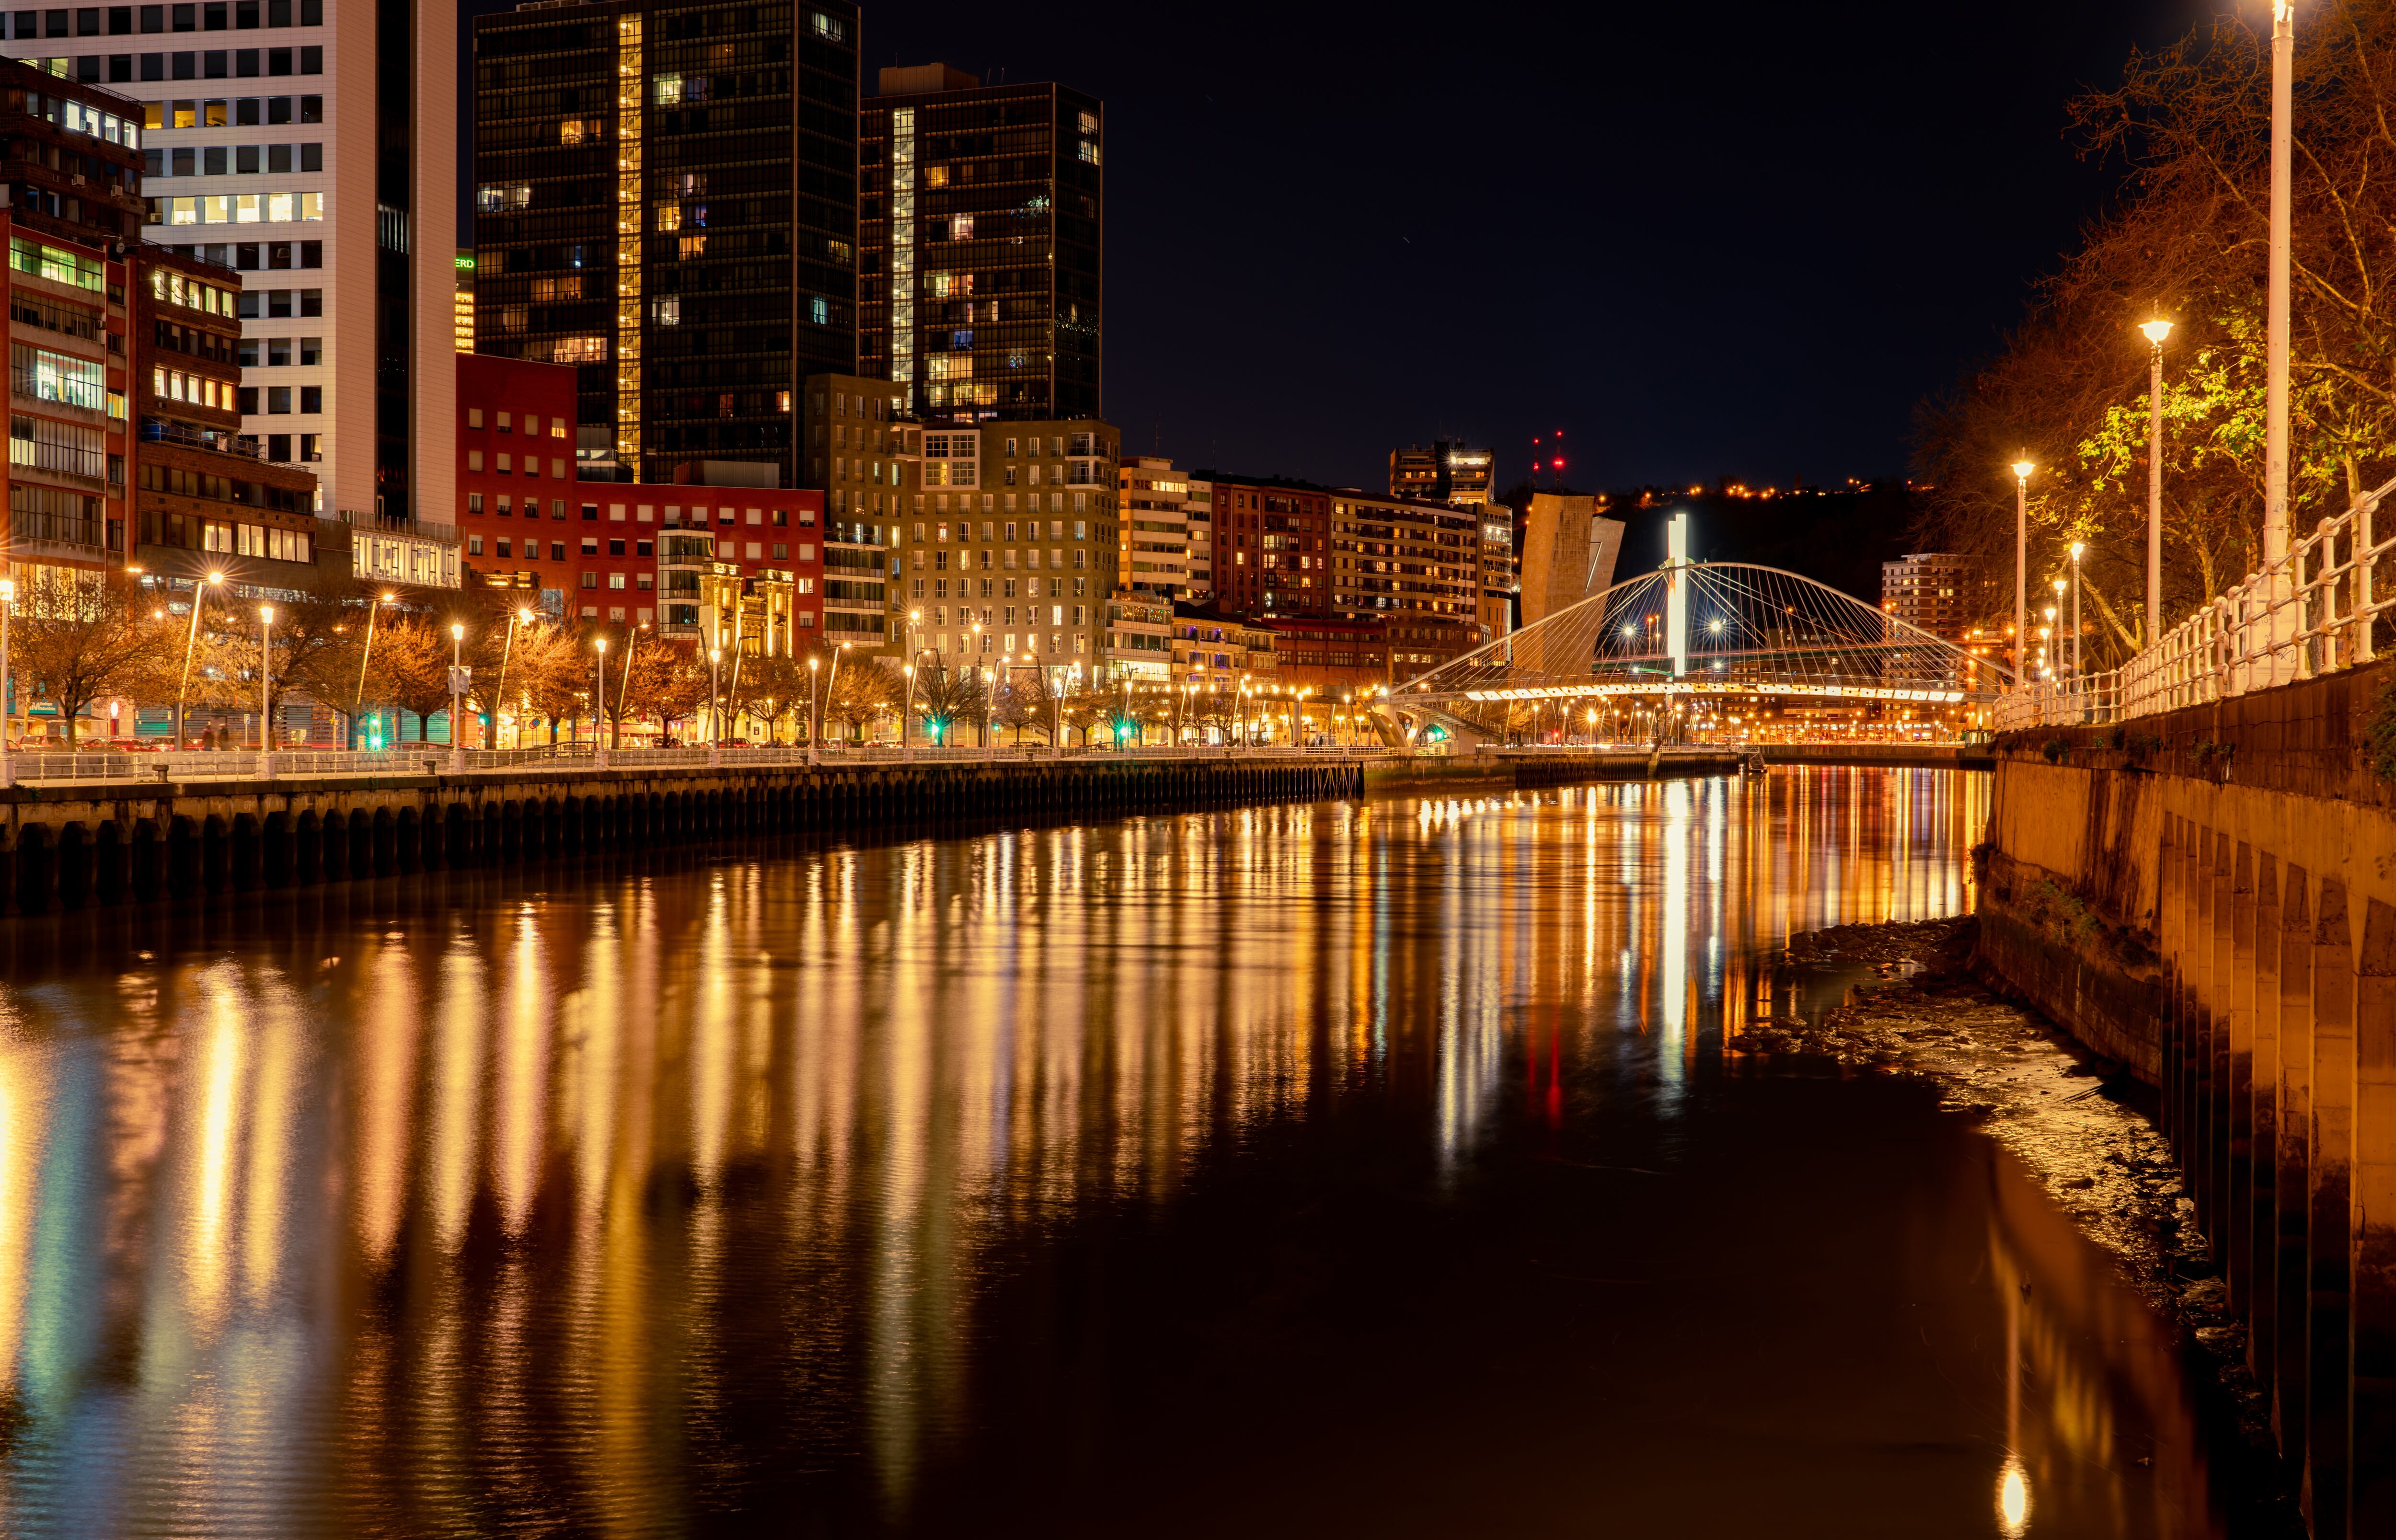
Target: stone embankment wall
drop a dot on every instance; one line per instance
(67, 846)
(2209, 897)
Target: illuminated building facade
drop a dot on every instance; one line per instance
(1443, 472)
(666, 202)
(309, 146)
(679, 558)
(1155, 556)
(462, 307)
(981, 236)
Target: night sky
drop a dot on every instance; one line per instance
(1705, 240)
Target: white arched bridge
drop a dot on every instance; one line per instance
(1697, 648)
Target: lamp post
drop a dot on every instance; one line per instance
(2022, 468)
(7, 698)
(2275, 387)
(266, 692)
(906, 743)
(500, 695)
(199, 595)
(358, 705)
(814, 717)
(714, 706)
(2156, 331)
(599, 721)
(830, 680)
(457, 696)
(2076, 642)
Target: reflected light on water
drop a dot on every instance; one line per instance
(595, 1199)
(2013, 1501)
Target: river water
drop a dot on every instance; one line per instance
(1352, 1168)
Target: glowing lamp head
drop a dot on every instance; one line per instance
(266, 613)
(525, 615)
(2022, 469)
(715, 655)
(2156, 331)
(457, 633)
(215, 576)
(602, 646)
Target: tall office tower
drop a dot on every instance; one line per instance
(982, 229)
(310, 146)
(666, 198)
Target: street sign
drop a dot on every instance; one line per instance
(462, 680)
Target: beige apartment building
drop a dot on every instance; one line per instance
(1009, 547)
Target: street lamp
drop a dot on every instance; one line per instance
(599, 720)
(457, 696)
(500, 695)
(2022, 468)
(199, 594)
(815, 716)
(2076, 643)
(266, 692)
(2275, 407)
(7, 698)
(358, 705)
(714, 703)
(2156, 331)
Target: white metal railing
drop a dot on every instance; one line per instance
(2309, 614)
(416, 759)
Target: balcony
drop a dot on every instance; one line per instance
(219, 441)
(389, 523)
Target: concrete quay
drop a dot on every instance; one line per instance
(2209, 897)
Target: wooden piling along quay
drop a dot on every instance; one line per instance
(2213, 902)
(107, 843)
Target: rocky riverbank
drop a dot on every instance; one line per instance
(2081, 1124)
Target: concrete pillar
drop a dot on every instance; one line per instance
(112, 863)
(2170, 931)
(2294, 1165)
(215, 854)
(2195, 1031)
(2329, 1353)
(2220, 982)
(2238, 1122)
(2263, 1119)
(245, 863)
(74, 866)
(2372, 1500)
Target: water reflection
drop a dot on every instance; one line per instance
(634, 1196)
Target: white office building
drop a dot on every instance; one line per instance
(286, 143)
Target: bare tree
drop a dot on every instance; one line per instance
(75, 640)
(2188, 241)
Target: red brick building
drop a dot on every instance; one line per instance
(633, 554)
(1271, 544)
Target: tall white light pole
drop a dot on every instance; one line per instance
(499, 695)
(457, 696)
(714, 706)
(266, 692)
(2156, 332)
(815, 716)
(599, 721)
(199, 594)
(2275, 433)
(2022, 468)
(7, 702)
(2076, 549)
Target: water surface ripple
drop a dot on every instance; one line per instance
(1349, 1168)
